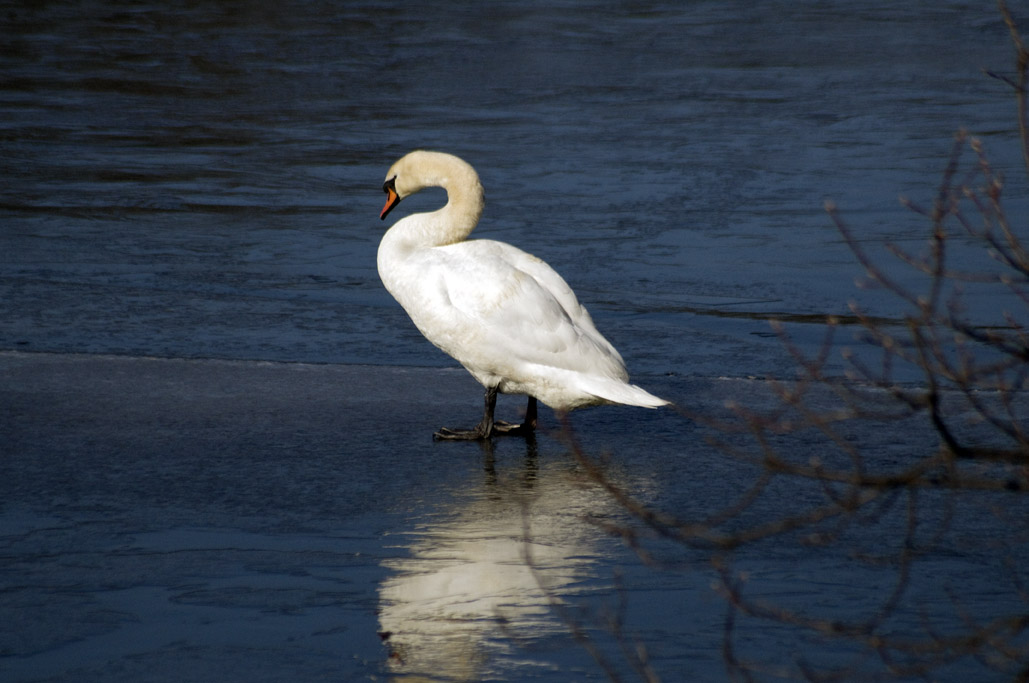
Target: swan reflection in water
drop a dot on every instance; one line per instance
(479, 583)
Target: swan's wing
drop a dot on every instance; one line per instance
(520, 310)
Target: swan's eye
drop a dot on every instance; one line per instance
(390, 185)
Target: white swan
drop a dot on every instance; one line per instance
(505, 315)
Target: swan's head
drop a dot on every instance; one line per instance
(421, 169)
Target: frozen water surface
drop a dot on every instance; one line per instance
(214, 421)
(168, 519)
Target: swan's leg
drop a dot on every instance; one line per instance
(528, 426)
(483, 430)
(487, 427)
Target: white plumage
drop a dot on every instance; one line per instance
(504, 314)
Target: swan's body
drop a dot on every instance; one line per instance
(505, 315)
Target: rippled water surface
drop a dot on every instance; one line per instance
(204, 181)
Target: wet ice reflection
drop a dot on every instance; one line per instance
(480, 581)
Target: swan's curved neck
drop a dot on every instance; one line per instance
(450, 224)
(465, 201)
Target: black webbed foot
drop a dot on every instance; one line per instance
(447, 434)
(501, 428)
(488, 427)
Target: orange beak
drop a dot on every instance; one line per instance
(392, 199)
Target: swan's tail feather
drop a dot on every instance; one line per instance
(627, 394)
(647, 399)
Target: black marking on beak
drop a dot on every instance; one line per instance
(392, 198)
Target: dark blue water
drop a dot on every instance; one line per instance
(204, 181)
